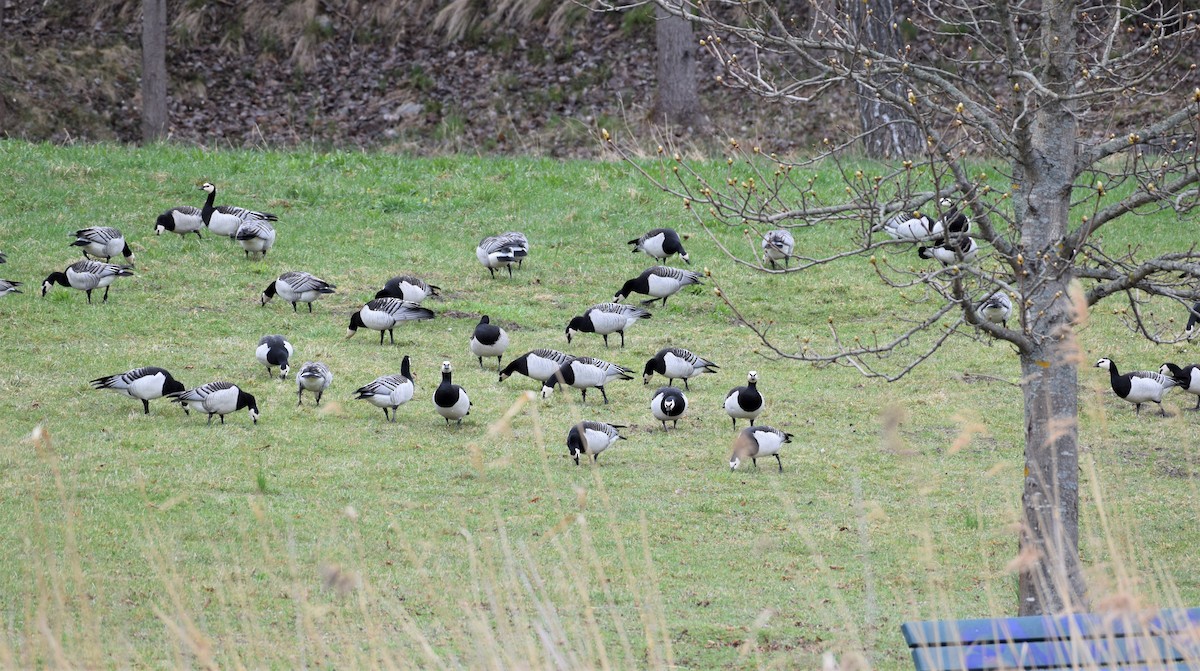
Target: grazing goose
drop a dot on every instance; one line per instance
(592, 438)
(225, 219)
(102, 242)
(501, 251)
(996, 308)
(488, 340)
(659, 244)
(668, 403)
(539, 364)
(744, 402)
(450, 400)
(1138, 387)
(382, 314)
(274, 351)
(758, 441)
(408, 288)
(1186, 378)
(962, 249)
(86, 276)
(606, 318)
(658, 282)
(256, 236)
(676, 362)
(584, 373)
(216, 398)
(297, 287)
(315, 377)
(778, 245)
(9, 287)
(915, 226)
(145, 384)
(389, 391)
(182, 220)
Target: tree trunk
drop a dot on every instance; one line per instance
(888, 132)
(154, 70)
(1051, 578)
(677, 102)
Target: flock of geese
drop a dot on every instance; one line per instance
(945, 239)
(399, 301)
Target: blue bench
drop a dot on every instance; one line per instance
(1167, 640)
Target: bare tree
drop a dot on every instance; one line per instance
(1089, 111)
(678, 100)
(154, 70)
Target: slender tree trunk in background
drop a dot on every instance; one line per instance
(888, 132)
(154, 70)
(678, 102)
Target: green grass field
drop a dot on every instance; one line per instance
(327, 537)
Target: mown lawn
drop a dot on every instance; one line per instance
(331, 538)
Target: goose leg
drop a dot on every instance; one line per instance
(734, 419)
(392, 336)
(480, 363)
(509, 271)
(381, 338)
(319, 398)
(106, 294)
(309, 307)
(606, 339)
(780, 463)
(294, 310)
(754, 461)
(622, 332)
(385, 414)
(210, 419)
(300, 396)
(145, 407)
(685, 384)
(584, 393)
(603, 393)
(89, 296)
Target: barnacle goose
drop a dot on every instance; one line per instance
(256, 236)
(450, 400)
(1186, 378)
(961, 249)
(183, 220)
(606, 318)
(145, 384)
(778, 244)
(658, 282)
(86, 276)
(539, 364)
(668, 403)
(590, 437)
(1193, 318)
(744, 402)
(216, 398)
(1138, 387)
(408, 288)
(502, 251)
(102, 242)
(225, 219)
(916, 226)
(389, 391)
(659, 244)
(758, 441)
(382, 314)
(488, 340)
(996, 308)
(9, 287)
(584, 373)
(676, 362)
(315, 377)
(274, 351)
(297, 286)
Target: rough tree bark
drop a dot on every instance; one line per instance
(677, 102)
(154, 70)
(1051, 577)
(887, 130)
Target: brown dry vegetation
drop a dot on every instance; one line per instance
(418, 77)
